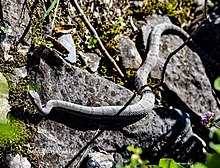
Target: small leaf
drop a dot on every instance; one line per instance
(119, 165)
(213, 160)
(153, 166)
(50, 8)
(130, 148)
(134, 160)
(138, 150)
(215, 136)
(216, 147)
(169, 163)
(199, 165)
(35, 87)
(217, 84)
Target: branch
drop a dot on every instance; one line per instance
(93, 31)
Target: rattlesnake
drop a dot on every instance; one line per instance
(136, 110)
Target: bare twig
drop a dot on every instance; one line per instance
(93, 31)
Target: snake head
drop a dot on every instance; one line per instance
(35, 98)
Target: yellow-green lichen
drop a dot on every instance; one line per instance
(3, 86)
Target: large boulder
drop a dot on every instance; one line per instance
(62, 137)
(186, 80)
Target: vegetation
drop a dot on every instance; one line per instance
(212, 159)
(179, 11)
(13, 135)
(217, 84)
(110, 23)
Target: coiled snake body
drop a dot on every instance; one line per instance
(136, 110)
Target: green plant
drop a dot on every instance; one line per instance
(13, 134)
(109, 31)
(137, 162)
(5, 30)
(217, 84)
(179, 11)
(92, 43)
(50, 8)
(34, 87)
(213, 159)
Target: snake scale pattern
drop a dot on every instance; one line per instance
(136, 110)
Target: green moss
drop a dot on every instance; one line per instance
(13, 135)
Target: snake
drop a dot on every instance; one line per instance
(133, 111)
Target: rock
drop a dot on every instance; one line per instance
(67, 41)
(21, 72)
(149, 25)
(91, 60)
(5, 46)
(128, 53)
(23, 49)
(62, 136)
(18, 162)
(210, 34)
(137, 4)
(185, 76)
(15, 13)
(199, 2)
(100, 160)
(4, 95)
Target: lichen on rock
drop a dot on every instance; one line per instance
(4, 94)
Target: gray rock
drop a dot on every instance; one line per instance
(5, 46)
(199, 2)
(61, 137)
(67, 41)
(149, 25)
(99, 160)
(21, 72)
(128, 53)
(15, 12)
(18, 161)
(91, 60)
(185, 75)
(210, 34)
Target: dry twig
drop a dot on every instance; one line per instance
(93, 31)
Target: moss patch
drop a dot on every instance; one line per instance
(13, 134)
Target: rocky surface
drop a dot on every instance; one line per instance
(128, 53)
(67, 41)
(61, 136)
(15, 13)
(209, 34)
(91, 61)
(18, 161)
(185, 74)
(98, 159)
